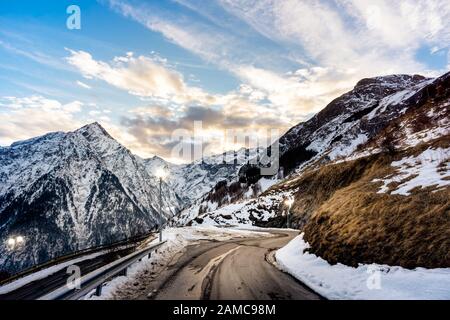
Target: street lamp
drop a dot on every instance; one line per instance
(15, 243)
(161, 174)
(289, 202)
(20, 240)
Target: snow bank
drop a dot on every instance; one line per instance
(367, 282)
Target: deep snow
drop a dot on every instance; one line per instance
(366, 282)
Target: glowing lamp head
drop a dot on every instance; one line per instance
(11, 242)
(20, 240)
(289, 202)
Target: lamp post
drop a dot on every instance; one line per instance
(289, 202)
(161, 174)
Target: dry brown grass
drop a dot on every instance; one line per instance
(357, 225)
(345, 219)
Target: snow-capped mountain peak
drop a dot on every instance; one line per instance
(68, 191)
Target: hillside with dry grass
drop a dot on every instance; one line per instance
(347, 219)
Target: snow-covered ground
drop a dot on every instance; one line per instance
(430, 168)
(177, 241)
(366, 282)
(244, 213)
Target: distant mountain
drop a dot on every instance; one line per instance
(68, 191)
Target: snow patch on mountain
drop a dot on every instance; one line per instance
(244, 213)
(430, 168)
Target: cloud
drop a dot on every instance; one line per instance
(291, 58)
(336, 42)
(35, 56)
(153, 129)
(141, 76)
(295, 97)
(27, 117)
(83, 85)
(174, 105)
(370, 37)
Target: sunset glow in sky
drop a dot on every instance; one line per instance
(146, 68)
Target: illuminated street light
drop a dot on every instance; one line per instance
(20, 240)
(161, 173)
(11, 242)
(14, 243)
(289, 202)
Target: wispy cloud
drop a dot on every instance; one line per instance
(83, 85)
(35, 56)
(368, 37)
(347, 40)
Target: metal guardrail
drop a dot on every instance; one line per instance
(96, 279)
(73, 255)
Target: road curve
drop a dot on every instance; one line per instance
(233, 270)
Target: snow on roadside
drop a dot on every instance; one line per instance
(177, 241)
(430, 168)
(366, 282)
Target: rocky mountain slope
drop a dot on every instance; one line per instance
(64, 192)
(347, 124)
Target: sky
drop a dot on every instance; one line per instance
(148, 71)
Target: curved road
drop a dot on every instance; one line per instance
(232, 270)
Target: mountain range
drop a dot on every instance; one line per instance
(69, 191)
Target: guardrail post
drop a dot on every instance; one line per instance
(98, 290)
